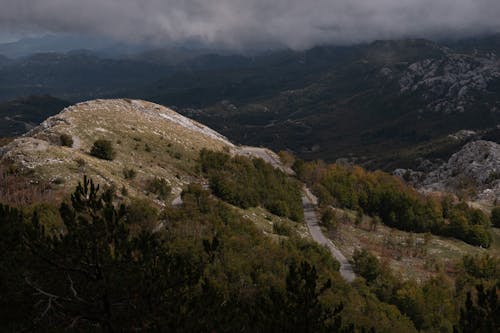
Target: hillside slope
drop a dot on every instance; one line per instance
(150, 141)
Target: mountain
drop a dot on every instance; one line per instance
(75, 76)
(109, 194)
(4, 60)
(375, 103)
(19, 116)
(472, 172)
(65, 43)
(148, 139)
(383, 104)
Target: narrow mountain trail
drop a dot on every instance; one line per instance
(309, 201)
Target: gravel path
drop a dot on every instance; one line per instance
(309, 201)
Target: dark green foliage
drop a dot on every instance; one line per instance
(103, 149)
(66, 140)
(14, 310)
(160, 187)
(495, 217)
(302, 304)
(366, 265)
(282, 229)
(329, 219)
(248, 183)
(431, 304)
(395, 203)
(97, 274)
(207, 269)
(481, 312)
(479, 268)
(142, 213)
(466, 223)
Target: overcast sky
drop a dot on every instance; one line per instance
(251, 23)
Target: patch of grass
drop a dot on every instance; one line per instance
(414, 255)
(129, 173)
(80, 162)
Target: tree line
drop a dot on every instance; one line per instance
(200, 268)
(246, 182)
(398, 205)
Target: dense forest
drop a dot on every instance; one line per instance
(395, 203)
(98, 262)
(207, 269)
(250, 182)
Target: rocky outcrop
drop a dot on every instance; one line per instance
(475, 168)
(449, 84)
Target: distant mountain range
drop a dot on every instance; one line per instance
(19, 116)
(383, 104)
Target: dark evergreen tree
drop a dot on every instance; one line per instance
(480, 314)
(97, 274)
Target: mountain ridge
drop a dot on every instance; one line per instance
(148, 138)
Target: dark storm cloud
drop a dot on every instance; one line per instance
(246, 23)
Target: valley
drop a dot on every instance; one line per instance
(245, 214)
(342, 189)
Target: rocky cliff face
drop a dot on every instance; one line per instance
(474, 169)
(450, 83)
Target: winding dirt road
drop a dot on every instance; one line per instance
(309, 201)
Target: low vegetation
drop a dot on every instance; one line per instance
(103, 149)
(129, 173)
(495, 217)
(159, 186)
(66, 140)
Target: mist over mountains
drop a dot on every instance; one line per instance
(256, 23)
(250, 166)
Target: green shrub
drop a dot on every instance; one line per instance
(140, 212)
(103, 149)
(129, 173)
(279, 207)
(66, 140)
(329, 219)
(495, 217)
(366, 265)
(282, 229)
(160, 187)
